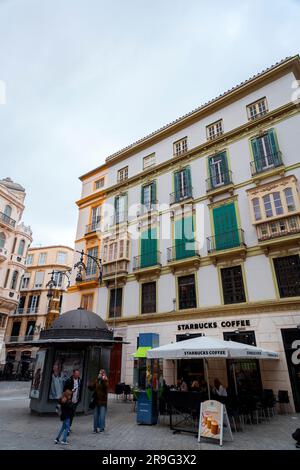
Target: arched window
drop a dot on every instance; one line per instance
(2, 240)
(14, 280)
(7, 211)
(21, 247)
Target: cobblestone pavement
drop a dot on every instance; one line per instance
(19, 429)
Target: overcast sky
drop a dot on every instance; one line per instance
(85, 78)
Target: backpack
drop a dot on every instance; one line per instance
(296, 435)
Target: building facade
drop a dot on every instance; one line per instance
(201, 233)
(35, 310)
(15, 239)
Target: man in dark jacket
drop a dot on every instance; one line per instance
(100, 389)
(73, 383)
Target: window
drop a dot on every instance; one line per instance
(123, 174)
(259, 108)
(25, 281)
(148, 199)
(187, 292)
(58, 278)
(289, 199)
(91, 265)
(149, 161)
(180, 147)
(120, 209)
(96, 217)
(115, 303)
(268, 205)
(30, 328)
(214, 130)
(39, 279)
(99, 183)
(2, 240)
(33, 303)
(218, 170)
(15, 329)
(2, 320)
(87, 302)
(61, 257)
(6, 278)
(149, 297)
(42, 258)
(256, 208)
(277, 203)
(14, 280)
(29, 260)
(265, 152)
(183, 185)
(233, 285)
(287, 269)
(8, 211)
(21, 247)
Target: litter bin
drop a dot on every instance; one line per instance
(147, 410)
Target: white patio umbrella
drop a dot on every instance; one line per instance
(205, 347)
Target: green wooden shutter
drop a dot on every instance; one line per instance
(224, 166)
(177, 185)
(256, 154)
(153, 192)
(226, 228)
(212, 172)
(149, 248)
(188, 181)
(116, 210)
(142, 195)
(274, 147)
(184, 237)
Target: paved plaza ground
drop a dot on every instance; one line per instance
(19, 429)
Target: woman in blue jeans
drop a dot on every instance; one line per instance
(100, 389)
(67, 411)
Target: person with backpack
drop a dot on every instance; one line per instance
(100, 389)
(66, 413)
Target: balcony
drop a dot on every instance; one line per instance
(117, 269)
(274, 230)
(147, 264)
(181, 195)
(184, 255)
(266, 163)
(8, 221)
(220, 183)
(226, 241)
(3, 254)
(92, 228)
(21, 339)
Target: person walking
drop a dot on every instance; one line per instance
(73, 384)
(66, 414)
(100, 389)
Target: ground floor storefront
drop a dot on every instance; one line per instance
(275, 331)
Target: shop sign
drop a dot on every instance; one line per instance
(214, 324)
(211, 421)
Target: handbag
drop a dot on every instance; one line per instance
(92, 404)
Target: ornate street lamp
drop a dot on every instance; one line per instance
(52, 284)
(80, 265)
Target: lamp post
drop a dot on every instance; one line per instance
(81, 266)
(53, 283)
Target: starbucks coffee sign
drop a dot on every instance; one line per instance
(213, 324)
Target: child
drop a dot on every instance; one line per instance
(67, 411)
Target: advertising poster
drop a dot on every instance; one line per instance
(211, 420)
(38, 375)
(64, 364)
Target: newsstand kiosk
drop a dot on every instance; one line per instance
(147, 401)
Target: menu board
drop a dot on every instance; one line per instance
(211, 420)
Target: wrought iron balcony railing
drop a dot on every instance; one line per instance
(20, 339)
(148, 207)
(93, 227)
(183, 250)
(7, 220)
(226, 240)
(181, 195)
(217, 181)
(266, 162)
(146, 260)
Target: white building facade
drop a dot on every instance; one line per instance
(200, 233)
(15, 239)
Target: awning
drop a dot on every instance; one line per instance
(141, 351)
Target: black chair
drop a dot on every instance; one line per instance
(268, 402)
(127, 392)
(283, 400)
(119, 390)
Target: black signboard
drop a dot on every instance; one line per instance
(291, 341)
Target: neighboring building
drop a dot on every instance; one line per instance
(205, 234)
(15, 239)
(35, 310)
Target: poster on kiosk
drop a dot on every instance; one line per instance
(211, 421)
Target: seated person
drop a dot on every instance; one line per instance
(219, 389)
(195, 386)
(183, 386)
